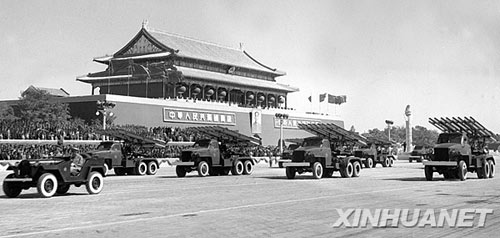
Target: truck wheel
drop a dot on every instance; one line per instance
(180, 171)
(385, 162)
(428, 173)
(248, 167)
(47, 185)
(203, 169)
(62, 188)
(356, 169)
(95, 183)
(290, 172)
(369, 163)
(317, 170)
(119, 171)
(391, 162)
(462, 170)
(492, 168)
(106, 169)
(152, 168)
(237, 168)
(10, 189)
(141, 169)
(347, 171)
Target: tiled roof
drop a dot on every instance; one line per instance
(197, 49)
(51, 91)
(234, 79)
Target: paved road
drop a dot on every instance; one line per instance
(261, 205)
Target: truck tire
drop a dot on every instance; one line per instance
(180, 171)
(428, 173)
(492, 169)
(484, 171)
(62, 189)
(346, 172)
(203, 169)
(152, 168)
(462, 170)
(47, 185)
(391, 162)
(10, 189)
(247, 167)
(317, 170)
(290, 172)
(141, 169)
(356, 169)
(106, 169)
(385, 162)
(369, 163)
(95, 183)
(237, 168)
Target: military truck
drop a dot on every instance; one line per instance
(330, 150)
(129, 155)
(218, 154)
(460, 149)
(53, 176)
(376, 151)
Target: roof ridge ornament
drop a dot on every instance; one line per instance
(145, 24)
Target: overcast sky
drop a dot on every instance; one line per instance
(440, 57)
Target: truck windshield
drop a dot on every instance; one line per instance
(202, 143)
(450, 138)
(311, 143)
(105, 146)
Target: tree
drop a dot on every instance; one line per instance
(38, 106)
(420, 135)
(6, 113)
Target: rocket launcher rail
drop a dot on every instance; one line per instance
(467, 125)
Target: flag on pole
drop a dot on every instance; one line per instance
(322, 97)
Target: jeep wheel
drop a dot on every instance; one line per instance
(356, 169)
(141, 169)
(347, 171)
(492, 168)
(47, 185)
(369, 163)
(462, 170)
(428, 173)
(247, 167)
(317, 170)
(62, 188)
(10, 189)
(180, 171)
(203, 169)
(95, 183)
(152, 168)
(290, 172)
(237, 168)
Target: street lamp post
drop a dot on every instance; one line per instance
(102, 108)
(389, 124)
(281, 117)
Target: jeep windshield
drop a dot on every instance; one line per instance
(202, 144)
(314, 142)
(449, 138)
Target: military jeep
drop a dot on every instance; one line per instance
(53, 176)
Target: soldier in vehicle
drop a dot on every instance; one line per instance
(76, 161)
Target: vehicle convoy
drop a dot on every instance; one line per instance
(218, 154)
(53, 176)
(330, 150)
(129, 156)
(460, 149)
(376, 151)
(419, 153)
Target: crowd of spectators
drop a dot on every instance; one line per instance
(78, 131)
